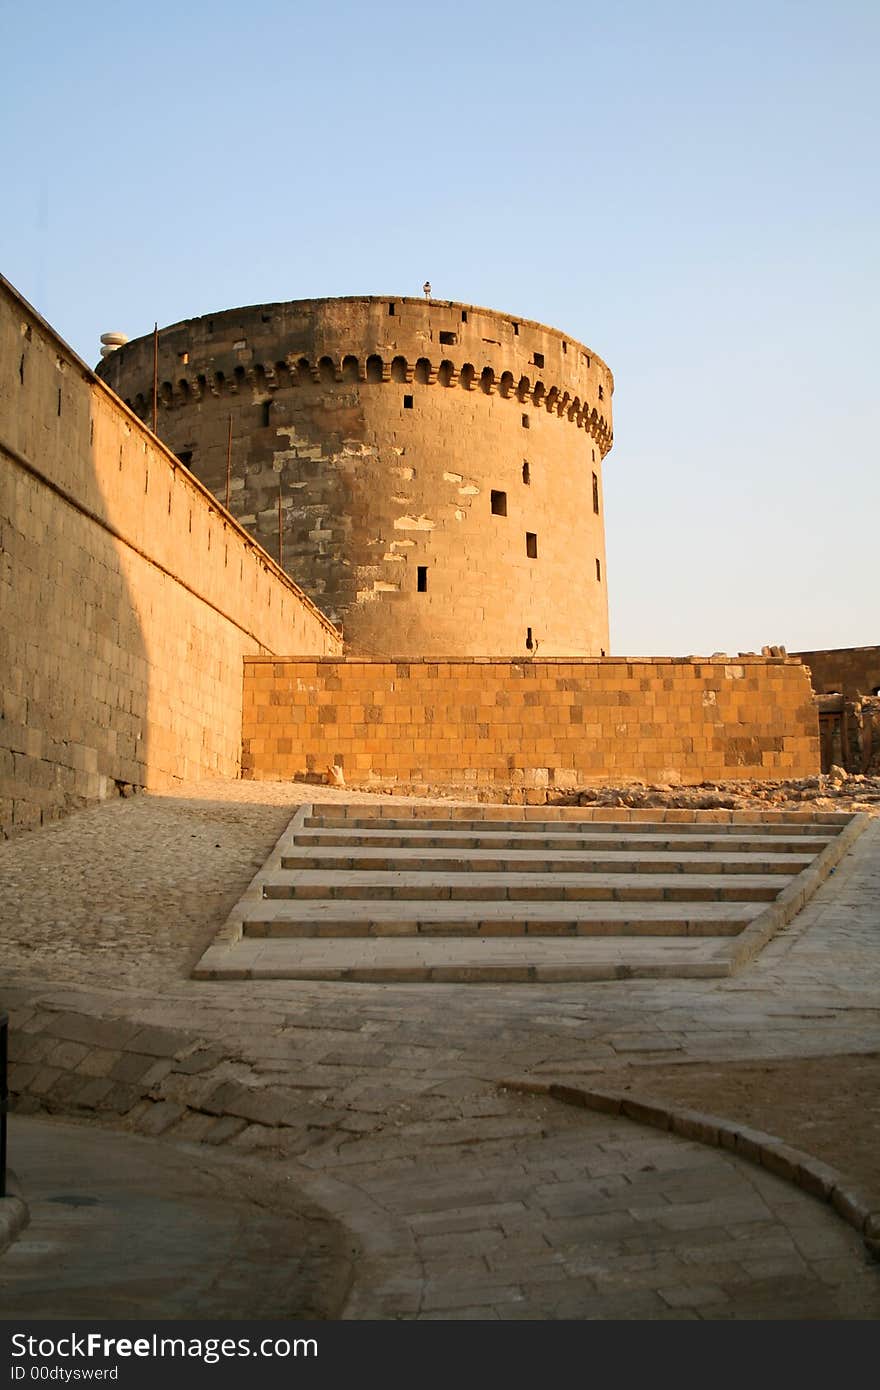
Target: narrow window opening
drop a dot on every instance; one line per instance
(587, 359)
(391, 309)
(407, 402)
(422, 579)
(527, 472)
(464, 316)
(91, 431)
(595, 494)
(599, 570)
(265, 412)
(186, 457)
(531, 545)
(538, 359)
(21, 370)
(602, 651)
(593, 452)
(516, 330)
(499, 503)
(565, 347)
(449, 338)
(525, 422)
(529, 639)
(210, 325)
(601, 393)
(59, 400)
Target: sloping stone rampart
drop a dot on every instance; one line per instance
(128, 597)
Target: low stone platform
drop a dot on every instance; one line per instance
(490, 893)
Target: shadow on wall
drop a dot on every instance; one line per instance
(130, 595)
(74, 668)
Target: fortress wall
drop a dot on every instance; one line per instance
(543, 724)
(848, 671)
(385, 435)
(127, 598)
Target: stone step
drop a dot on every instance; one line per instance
(532, 887)
(481, 960)
(286, 918)
(559, 827)
(486, 895)
(526, 840)
(575, 861)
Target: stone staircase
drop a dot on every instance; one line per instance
(483, 894)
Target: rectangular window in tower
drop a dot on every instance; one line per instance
(407, 402)
(422, 579)
(525, 422)
(530, 641)
(499, 503)
(265, 412)
(538, 359)
(531, 545)
(595, 494)
(450, 339)
(391, 309)
(464, 316)
(599, 570)
(601, 393)
(527, 472)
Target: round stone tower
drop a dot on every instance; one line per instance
(429, 473)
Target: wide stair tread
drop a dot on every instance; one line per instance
(567, 826)
(528, 840)
(537, 861)
(350, 884)
(484, 960)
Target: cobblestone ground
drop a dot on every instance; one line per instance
(383, 1101)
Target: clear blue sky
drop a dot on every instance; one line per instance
(690, 188)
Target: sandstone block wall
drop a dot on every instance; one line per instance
(848, 671)
(438, 465)
(540, 725)
(127, 598)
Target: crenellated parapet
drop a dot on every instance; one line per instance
(375, 498)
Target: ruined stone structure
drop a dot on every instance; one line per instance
(430, 473)
(846, 681)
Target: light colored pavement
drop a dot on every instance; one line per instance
(342, 1086)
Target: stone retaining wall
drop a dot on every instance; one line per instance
(538, 725)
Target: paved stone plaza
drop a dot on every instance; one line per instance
(385, 1103)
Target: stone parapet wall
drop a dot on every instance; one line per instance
(539, 725)
(127, 597)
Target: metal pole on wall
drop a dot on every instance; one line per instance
(4, 1098)
(155, 376)
(228, 462)
(280, 529)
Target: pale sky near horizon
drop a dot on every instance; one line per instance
(689, 188)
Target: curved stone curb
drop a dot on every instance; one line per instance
(14, 1214)
(792, 899)
(793, 1165)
